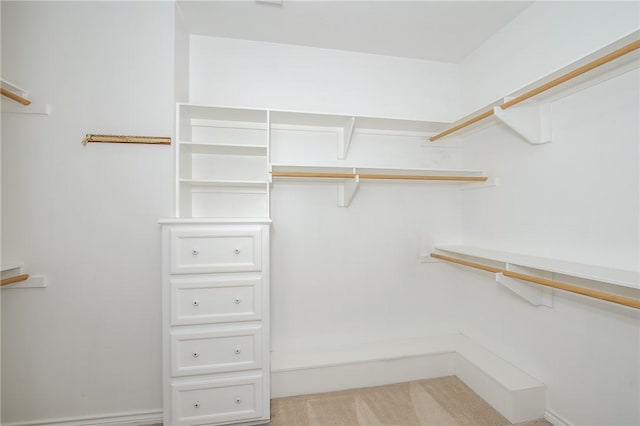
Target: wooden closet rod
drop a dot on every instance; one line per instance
(378, 176)
(626, 301)
(15, 97)
(540, 89)
(15, 279)
(153, 140)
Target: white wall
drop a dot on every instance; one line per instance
(278, 76)
(345, 275)
(575, 199)
(545, 37)
(89, 344)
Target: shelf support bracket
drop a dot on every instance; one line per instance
(345, 142)
(347, 190)
(531, 121)
(534, 294)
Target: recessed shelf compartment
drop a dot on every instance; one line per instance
(221, 162)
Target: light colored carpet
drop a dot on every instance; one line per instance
(444, 401)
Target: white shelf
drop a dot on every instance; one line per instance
(297, 118)
(11, 265)
(223, 149)
(602, 274)
(214, 113)
(224, 183)
(531, 119)
(354, 169)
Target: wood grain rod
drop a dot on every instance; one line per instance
(467, 263)
(379, 176)
(17, 98)
(15, 279)
(155, 140)
(573, 74)
(544, 87)
(620, 300)
(462, 125)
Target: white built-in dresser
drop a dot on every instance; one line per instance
(216, 271)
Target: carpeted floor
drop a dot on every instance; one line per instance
(444, 401)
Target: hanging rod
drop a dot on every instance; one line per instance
(15, 279)
(626, 301)
(17, 98)
(155, 140)
(540, 89)
(378, 176)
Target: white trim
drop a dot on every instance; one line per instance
(555, 419)
(512, 392)
(133, 418)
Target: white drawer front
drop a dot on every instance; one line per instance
(215, 299)
(215, 350)
(216, 250)
(217, 401)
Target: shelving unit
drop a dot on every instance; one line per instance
(225, 156)
(221, 162)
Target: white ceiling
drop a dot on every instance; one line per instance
(444, 31)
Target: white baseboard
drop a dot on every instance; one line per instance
(137, 418)
(555, 420)
(513, 393)
(303, 381)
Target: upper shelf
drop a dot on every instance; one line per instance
(597, 273)
(530, 119)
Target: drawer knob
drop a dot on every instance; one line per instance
(238, 401)
(237, 251)
(195, 252)
(196, 303)
(196, 404)
(237, 300)
(237, 351)
(195, 354)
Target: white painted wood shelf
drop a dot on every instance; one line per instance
(601, 274)
(349, 177)
(356, 169)
(221, 149)
(531, 119)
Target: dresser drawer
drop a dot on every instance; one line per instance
(216, 250)
(217, 401)
(215, 349)
(215, 299)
